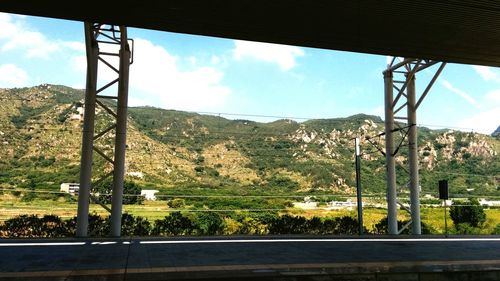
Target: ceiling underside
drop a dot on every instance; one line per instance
(461, 31)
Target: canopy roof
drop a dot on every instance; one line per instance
(461, 31)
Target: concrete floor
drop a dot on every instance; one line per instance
(251, 258)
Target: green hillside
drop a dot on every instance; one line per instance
(188, 153)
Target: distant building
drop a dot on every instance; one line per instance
(340, 205)
(139, 175)
(149, 194)
(489, 203)
(71, 188)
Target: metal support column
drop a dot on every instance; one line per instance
(88, 133)
(392, 207)
(404, 84)
(121, 136)
(413, 157)
(117, 57)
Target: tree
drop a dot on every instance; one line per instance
(209, 223)
(135, 226)
(174, 224)
(473, 213)
(131, 191)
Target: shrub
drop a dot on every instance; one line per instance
(472, 214)
(382, 227)
(497, 229)
(252, 226)
(135, 226)
(287, 224)
(28, 197)
(282, 182)
(173, 224)
(23, 226)
(348, 225)
(231, 226)
(48, 226)
(465, 229)
(98, 226)
(176, 203)
(199, 169)
(209, 223)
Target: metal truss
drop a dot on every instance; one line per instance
(399, 78)
(109, 45)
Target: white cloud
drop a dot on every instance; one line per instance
(156, 79)
(484, 122)
(12, 76)
(156, 73)
(79, 63)
(215, 60)
(14, 35)
(493, 96)
(459, 92)
(74, 45)
(7, 27)
(34, 43)
(487, 73)
(284, 56)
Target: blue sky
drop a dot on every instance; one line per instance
(206, 74)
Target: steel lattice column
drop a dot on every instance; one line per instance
(109, 37)
(392, 212)
(121, 135)
(405, 87)
(413, 156)
(82, 219)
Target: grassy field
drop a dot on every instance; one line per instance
(11, 206)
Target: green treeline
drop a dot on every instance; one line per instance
(177, 223)
(466, 219)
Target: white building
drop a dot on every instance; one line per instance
(139, 175)
(71, 188)
(489, 203)
(149, 194)
(341, 205)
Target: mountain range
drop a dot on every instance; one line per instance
(40, 136)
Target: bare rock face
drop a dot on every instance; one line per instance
(448, 141)
(428, 156)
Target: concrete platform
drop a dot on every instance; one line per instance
(252, 258)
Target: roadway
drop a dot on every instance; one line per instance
(251, 258)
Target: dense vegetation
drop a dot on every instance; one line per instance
(206, 223)
(220, 223)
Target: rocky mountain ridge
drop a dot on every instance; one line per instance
(40, 135)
